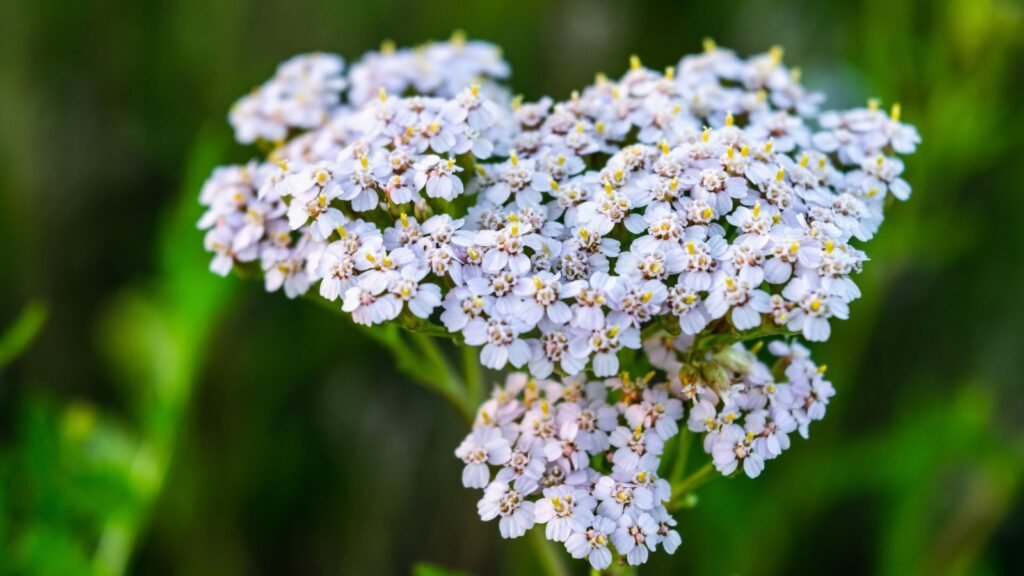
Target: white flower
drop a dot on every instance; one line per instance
(592, 543)
(734, 447)
(543, 294)
(439, 177)
(565, 510)
(369, 305)
(603, 344)
(485, 445)
(421, 299)
(517, 514)
(635, 536)
(737, 293)
(500, 340)
(814, 308)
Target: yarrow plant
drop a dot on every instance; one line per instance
(630, 249)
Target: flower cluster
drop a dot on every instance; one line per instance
(701, 198)
(664, 216)
(584, 458)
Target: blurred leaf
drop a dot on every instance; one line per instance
(23, 332)
(423, 569)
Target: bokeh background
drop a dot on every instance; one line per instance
(155, 419)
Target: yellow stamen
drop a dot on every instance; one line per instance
(744, 150)
(709, 45)
(670, 73)
(382, 94)
(729, 119)
(706, 134)
(341, 232)
(634, 62)
(474, 89)
(804, 160)
(780, 175)
(775, 53)
(873, 104)
(387, 47)
(815, 305)
(829, 246)
(896, 112)
(613, 331)
(513, 158)
(663, 145)
(646, 297)
(517, 102)
(364, 162)
(404, 219)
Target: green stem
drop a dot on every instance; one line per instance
(547, 555)
(421, 360)
(682, 455)
(718, 341)
(690, 483)
(472, 374)
(435, 372)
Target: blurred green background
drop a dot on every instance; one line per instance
(165, 421)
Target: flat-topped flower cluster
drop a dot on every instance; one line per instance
(550, 234)
(584, 458)
(676, 211)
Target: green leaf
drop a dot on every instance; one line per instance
(23, 332)
(424, 569)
